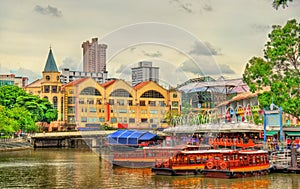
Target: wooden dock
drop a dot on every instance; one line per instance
(286, 161)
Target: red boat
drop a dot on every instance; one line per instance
(216, 163)
(147, 156)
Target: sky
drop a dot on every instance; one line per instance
(184, 38)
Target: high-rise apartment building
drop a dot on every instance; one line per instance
(144, 72)
(94, 56)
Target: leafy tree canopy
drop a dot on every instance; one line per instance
(20, 110)
(278, 3)
(279, 70)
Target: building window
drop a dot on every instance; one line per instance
(153, 112)
(129, 102)
(131, 120)
(90, 101)
(174, 103)
(71, 91)
(71, 110)
(111, 102)
(143, 111)
(162, 104)
(142, 103)
(93, 110)
(174, 95)
(120, 93)
(47, 77)
(101, 119)
(120, 102)
(46, 89)
(71, 100)
(122, 111)
(152, 94)
(55, 102)
(71, 119)
(99, 102)
(125, 120)
(54, 89)
(101, 110)
(81, 101)
(113, 120)
(90, 91)
(152, 103)
(83, 119)
(90, 119)
(45, 97)
(144, 120)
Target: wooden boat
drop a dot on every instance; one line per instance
(215, 163)
(147, 156)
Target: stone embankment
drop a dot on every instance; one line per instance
(7, 145)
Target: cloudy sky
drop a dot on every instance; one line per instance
(185, 38)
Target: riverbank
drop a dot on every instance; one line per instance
(14, 145)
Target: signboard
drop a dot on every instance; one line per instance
(273, 120)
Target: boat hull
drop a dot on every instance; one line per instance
(214, 173)
(233, 174)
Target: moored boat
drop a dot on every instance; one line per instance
(216, 163)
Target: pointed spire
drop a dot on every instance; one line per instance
(50, 64)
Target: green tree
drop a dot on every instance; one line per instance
(279, 70)
(278, 3)
(9, 95)
(41, 109)
(7, 125)
(23, 118)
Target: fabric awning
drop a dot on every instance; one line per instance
(129, 137)
(272, 133)
(293, 133)
(147, 136)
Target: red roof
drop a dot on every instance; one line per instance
(140, 85)
(106, 84)
(75, 82)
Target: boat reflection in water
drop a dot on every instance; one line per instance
(210, 183)
(159, 181)
(147, 156)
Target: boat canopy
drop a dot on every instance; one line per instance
(129, 137)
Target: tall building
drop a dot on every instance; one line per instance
(94, 56)
(145, 72)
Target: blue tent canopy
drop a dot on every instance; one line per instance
(129, 137)
(147, 136)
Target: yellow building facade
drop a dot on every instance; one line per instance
(84, 104)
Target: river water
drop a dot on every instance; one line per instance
(73, 168)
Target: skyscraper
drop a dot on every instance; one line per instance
(145, 72)
(94, 56)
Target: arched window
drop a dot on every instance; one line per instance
(90, 91)
(152, 94)
(45, 97)
(55, 102)
(120, 93)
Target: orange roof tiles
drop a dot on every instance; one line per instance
(106, 84)
(75, 82)
(140, 85)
